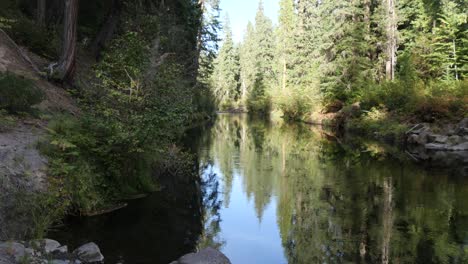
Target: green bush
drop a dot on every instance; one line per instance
(378, 123)
(18, 94)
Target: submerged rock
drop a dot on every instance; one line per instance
(205, 256)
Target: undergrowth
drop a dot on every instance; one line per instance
(18, 94)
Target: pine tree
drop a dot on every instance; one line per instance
(450, 45)
(248, 70)
(263, 51)
(285, 42)
(264, 43)
(226, 73)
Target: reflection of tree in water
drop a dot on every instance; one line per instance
(370, 212)
(342, 203)
(211, 216)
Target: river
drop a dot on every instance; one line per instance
(288, 193)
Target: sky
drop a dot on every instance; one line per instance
(242, 11)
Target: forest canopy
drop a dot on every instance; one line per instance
(396, 55)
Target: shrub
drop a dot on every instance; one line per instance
(18, 94)
(297, 102)
(379, 123)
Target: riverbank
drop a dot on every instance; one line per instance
(449, 135)
(48, 251)
(81, 148)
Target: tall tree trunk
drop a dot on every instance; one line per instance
(391, 39)
(67, 62)
(41, 12)
(284, 74)
(107, 30)
(455, 59)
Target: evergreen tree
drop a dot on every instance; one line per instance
(226, 73)
(247, 62)
(451, 45)
(285, 42)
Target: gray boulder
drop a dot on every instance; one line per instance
(435, 146)
(205, 256)
(460, 147)
(89, 253)
(11, 250)
(50, 245)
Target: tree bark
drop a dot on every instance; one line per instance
(107, 31)
(41, 12)
(67, 62)
(284, 74)
(391, 62)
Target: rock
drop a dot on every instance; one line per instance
(431, 137)
(205, 256)
(30, 251)
(462, 131)
(454, 140)
(89, 253)
(441, 139)
(50, 245)
(435, 146)
(13, 249)
(463, 123)
(460, 147)
(420, 139)
(63, 249)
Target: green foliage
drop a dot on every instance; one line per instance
(225, 79)
(259, 102)
(5, 23)
(379, 123)
(94, 162)
(18, 94)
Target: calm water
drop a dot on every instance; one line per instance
(276, 193)
(290, 194)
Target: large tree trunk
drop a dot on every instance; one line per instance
(108, 29)
(391, 59)
(66, 65)
(41, 12)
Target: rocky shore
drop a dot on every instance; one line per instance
(47, 251)
(446, 145)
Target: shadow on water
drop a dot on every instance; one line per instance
(156, 229)
(290, 193)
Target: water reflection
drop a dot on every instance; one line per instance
(292, 194)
